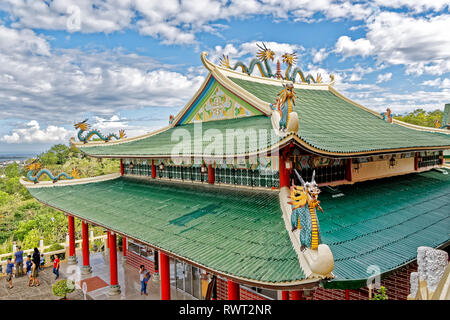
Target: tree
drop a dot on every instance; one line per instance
(12, 170)
(48, 158)
(62, 288)
(61, 152)
(421, 117)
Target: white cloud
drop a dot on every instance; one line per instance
(32, 133)
(320, 55)
(42, 83)
(384, 77)
(421, 44)
(438, 83)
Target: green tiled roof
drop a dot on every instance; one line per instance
(332, 124)
(382, 222)
(164, 142)
(240, 233)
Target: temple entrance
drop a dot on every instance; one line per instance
(186, 278)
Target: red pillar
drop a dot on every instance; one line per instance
(283, 172)
(348, 170)
(85, 233)
(233, 290)
(114, 289)
(108, 236)
(71, 236)
(164, 267)
(122, 169)
(297, 295)
(284, 295)
(347, 294)
(153, 169)
(211, 174)
(124, 246)
(416, 161)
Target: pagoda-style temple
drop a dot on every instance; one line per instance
(274, 186)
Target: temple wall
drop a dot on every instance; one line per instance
(244, 294)
(381, 169)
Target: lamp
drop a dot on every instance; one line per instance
(203, 168)
(161, 166)
(357, 165)
(131, 165)
(392, 162)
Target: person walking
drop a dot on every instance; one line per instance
(19, 261)
(34, 273)
(42, 262)
(9, 272)
(142, 273)
(56, 266)
(29, 264)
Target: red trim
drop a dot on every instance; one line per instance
(233, 290)
(165, 275)
(113, 259)
(85, 233)
(284, 295)
(71, 236)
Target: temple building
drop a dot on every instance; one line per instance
(227, 194)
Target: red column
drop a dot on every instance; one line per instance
(124, 246)
(284, 295)
(416, 161)
(85, 233)
(164, 267)
(211, 174)
(283, 172)
(122, 170)
(114, 289)
(71, 236)
(233, 290)
(297, 295)
(108, 238)
(348, 170)
(153, 169)
(347, 294)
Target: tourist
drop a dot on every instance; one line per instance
(42, 262)
(56, 266)
(19, 261)
(142, 273)
(36, 257)
(146, 279)
(35, 273)
(29, 264)
(9, 272)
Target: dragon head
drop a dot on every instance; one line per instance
(287, 93)
(289, 58)
(75, 173)
(34, 165)
(83, 125)
(224, 61)
(311, 189)
(264, 53)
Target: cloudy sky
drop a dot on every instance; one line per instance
(131, 63)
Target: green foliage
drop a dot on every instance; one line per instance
(62, 287)
(421, 117)
(12, 170)
(23, 219)
(380, 295)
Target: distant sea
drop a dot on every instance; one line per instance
(11, 156)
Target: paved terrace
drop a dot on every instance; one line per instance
(97, 283)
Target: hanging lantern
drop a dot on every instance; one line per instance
(203, 168)
(392, 162)
(161, 166)
(131, 165)
(357, 165)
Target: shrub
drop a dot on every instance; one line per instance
(62, 288)
(380, 295)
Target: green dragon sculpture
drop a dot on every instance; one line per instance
(84, 126)
(262, 62)
(290, 59)
(35, 166)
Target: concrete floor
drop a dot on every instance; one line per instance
(128, 280)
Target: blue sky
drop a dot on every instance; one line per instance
(131, 63)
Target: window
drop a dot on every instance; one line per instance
(429, 159)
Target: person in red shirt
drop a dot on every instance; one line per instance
(56, 266)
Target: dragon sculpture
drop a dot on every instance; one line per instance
(36, 167)
(304, 201)
(285, 103)
(290, 59)
(84, 126)
(261, 61)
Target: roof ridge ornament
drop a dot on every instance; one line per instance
(284, 118)
(84, 126)
(35, 166)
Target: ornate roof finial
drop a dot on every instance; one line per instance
(279, 76)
